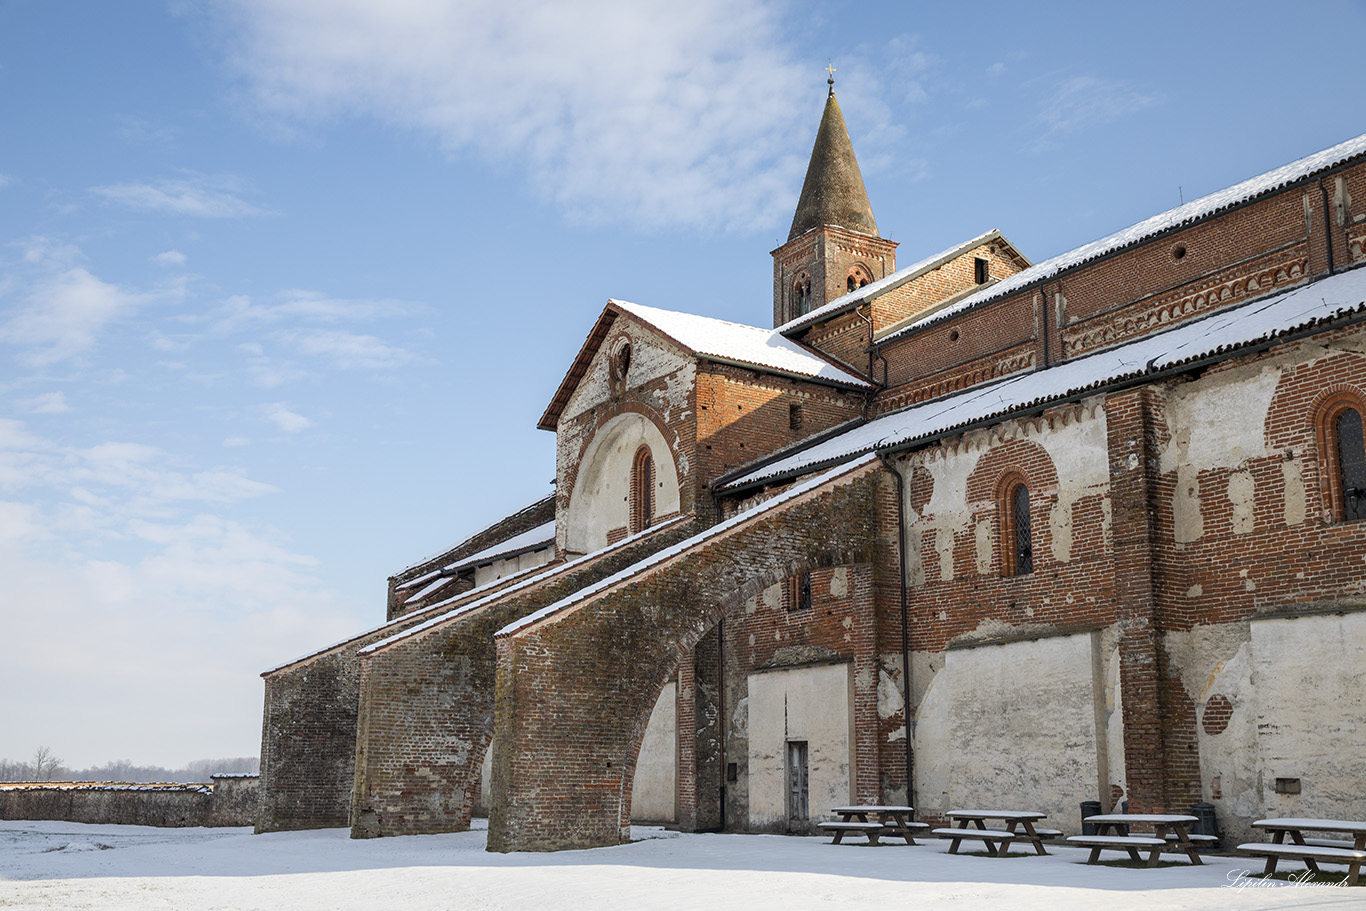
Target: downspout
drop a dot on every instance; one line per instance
(868, 395)
(1043, 296)
(721, 713)
(1327, 226)
(905, 626)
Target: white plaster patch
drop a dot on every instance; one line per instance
(1310, 673)
(655, 787)
(1060, 529)
(1189, 522)
(1205, 433)
(1292, 476)
(943, 545)
(1242, 495)
(773, 597)
(1002, 723)
(983, 542)
(804, 704)
(1079, 450)
(839, 582)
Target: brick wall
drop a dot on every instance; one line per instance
(426, 705)
(574, 691)
(228, 801)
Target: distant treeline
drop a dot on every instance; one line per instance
(46, 767)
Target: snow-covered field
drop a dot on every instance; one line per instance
(58, 865)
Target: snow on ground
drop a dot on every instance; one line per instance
(47, 865)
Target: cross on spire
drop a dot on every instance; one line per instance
(831, 81)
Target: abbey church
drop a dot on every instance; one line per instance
(974, 530)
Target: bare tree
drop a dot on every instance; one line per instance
(45, 764)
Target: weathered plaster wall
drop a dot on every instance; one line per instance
(813, 705)
(1013, 724)
(499, 569)
(654, 792)
(600, 503)
(606, 414)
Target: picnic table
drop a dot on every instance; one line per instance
(895, 821)
(1170, 830)
(1311, 851)
(1018, 826)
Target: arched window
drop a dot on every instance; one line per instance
(1017, 542)
(1351, 464)
(1342, 457)
(801, 295)
(642, 490)
(857, 278)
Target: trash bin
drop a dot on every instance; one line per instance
(1089, 808)
(1207, 823)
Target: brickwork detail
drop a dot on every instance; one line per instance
(570, 709)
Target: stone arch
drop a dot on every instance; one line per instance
(575, 689)
(600, 504)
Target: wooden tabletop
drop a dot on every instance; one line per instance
(1160, 819)
(994, 814)
(852, 810)
(1320, 825)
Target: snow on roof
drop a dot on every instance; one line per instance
(407, 618)
(1165, 221)
(105, 786)
(735, 343)
(886, 283)
(670, 552)
(437, 556)
(1221, 332)
(520, 586)
(527, 540)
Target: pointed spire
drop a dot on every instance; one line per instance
(833, 192)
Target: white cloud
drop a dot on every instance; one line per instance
(5, 180)
(169, 258)
(240, 311)
(123, 479)
(346, 349)
(64, 314)
(197, 195)
(236, 441)
(618, 110)
(279, 414)
(48, 403)
(1076, 103)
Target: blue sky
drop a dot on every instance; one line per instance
(284, 286)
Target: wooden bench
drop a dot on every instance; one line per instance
(1311, 855)
(871, 829)
(1130, 843)
(1019, 827)
(996, 840)
(895, 820)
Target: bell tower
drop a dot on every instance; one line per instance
(833, 247)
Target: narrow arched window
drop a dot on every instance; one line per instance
(1017, 535)
(642, 490)
(1351, 464)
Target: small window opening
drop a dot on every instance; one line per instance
(642, 507)
(621, 361)
(1017, 535)
(1351, 464)
(799, 592)
(801, 296)
(980, 271)
(794, 416)
(1179, 251)
(858, 277)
